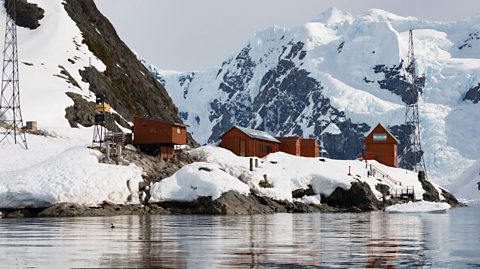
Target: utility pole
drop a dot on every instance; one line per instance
(412, 151)
(11, 122)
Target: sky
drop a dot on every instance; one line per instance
(195, 35)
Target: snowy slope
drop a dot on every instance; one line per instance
(41, 53)
(467, 186)
(347, 71)
(57, 167)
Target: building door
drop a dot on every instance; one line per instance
(242, 148)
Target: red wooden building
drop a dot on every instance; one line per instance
(160, 136)
(290, 145)
(309, 147)
(249, 142)
(381, 145)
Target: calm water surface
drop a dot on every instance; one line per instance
(367, 240)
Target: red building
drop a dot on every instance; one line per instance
(309, 147)
(290, 145)
(249, 142)
(381, 145)
(158, 136)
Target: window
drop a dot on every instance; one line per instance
(178, 130)
(265, 148)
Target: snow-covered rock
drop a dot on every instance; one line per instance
(418, 207)
(347, 71)
(284, 173)
(196, 180)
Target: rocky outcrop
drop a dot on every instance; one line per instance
(450, 199)
(28, 15)
(129, 86)
(473, 94)
(82, 112)
(75, 210)
(432, 195)
(358, 198)
(233, 203)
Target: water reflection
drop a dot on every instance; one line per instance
(368, 240)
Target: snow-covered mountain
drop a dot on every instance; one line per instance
(347, 71)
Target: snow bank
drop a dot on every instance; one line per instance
(60, 168)
(196, 180)
(418, 207)
(72, 176)
(286, 173)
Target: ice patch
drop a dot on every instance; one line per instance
(418, 207)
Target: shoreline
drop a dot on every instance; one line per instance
(230, 203)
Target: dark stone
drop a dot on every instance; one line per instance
(68, 77)
(21, 213)
(27, 14)
(340, 47)
(467, 43)
(383, 189)
(396, 82)
(431, 194)
(303, 192)
(450, 199)
(64, 210)
(234, 203)
(110, 204)
(82, 112)
(473, 94)
(358, 196)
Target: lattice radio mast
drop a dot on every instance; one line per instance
(412, 121)
(11, 122)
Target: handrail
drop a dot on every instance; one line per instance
(385, 175)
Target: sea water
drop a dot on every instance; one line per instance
(320, 240)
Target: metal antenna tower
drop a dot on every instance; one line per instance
(103, 121)
(412, 152)
(11, 122)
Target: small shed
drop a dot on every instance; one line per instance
(309, 147)
(290, 145)
(381, 145)
(153, 135)
(248, 142)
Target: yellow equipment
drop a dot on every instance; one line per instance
(102, 108)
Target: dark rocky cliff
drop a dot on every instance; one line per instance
(28, 15)
(128, 84)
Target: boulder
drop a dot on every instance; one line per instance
(64, 210)
(358, 196)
